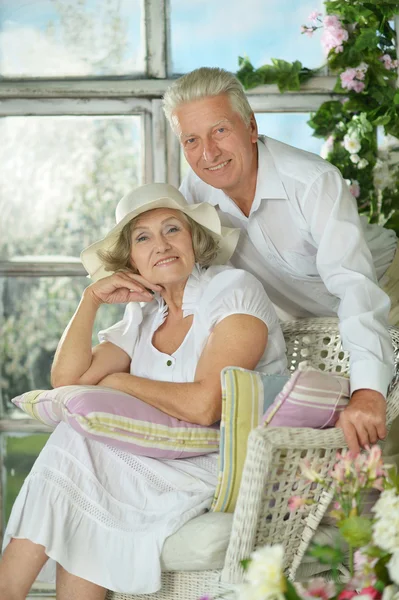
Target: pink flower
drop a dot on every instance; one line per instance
(388, 62)
(361, 70)
(347, 595)
(358, 86)
(296, 502)
(347, 77)
(374, 462)
(350, 78)
(331, 21)
(314, 15)
(318, 588)
(371, 592)
(333, 35)
(309, 31)
(354, 189)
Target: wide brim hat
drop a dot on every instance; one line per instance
(160, 195)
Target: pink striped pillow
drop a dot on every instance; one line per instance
(121, 420)
(311, 398)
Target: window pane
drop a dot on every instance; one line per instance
(66, 38)
(61, 178)
(216, 34)
(290, 128)
(19, 453)
(33, 314)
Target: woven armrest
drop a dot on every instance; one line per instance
(271, 476)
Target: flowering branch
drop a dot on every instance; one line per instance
(360, 47)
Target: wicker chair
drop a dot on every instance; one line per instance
(272, 474)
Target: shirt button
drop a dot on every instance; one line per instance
(169, 363)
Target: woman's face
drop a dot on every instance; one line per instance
(162, 247)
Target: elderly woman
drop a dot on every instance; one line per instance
(92, 516)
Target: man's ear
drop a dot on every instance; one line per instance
(253, 127)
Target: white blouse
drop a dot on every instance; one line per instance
(210, 295)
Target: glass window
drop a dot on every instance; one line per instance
(216, 34)
(19, 452)
(66, 38)
(33, 315)
(60, 180)
(290, 128)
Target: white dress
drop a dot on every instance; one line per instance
(103, 513)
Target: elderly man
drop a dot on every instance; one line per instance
(301, 232)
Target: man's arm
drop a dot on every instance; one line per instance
(346, 267)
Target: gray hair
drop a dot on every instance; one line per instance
(202, 83)
(118, 257)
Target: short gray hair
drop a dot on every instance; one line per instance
(118, 257)
(202, 83)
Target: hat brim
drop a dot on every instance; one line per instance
(203, 213)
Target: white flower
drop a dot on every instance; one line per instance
(363, 162)
(258, 592)
(351, 144)
(393, 567)
(354, 158)
(265, 574)
(386, 526)
(390, 592)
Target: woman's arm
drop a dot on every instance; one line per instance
(238, 340)
(75, 362)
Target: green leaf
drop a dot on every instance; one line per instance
(245, 563)
(382, 120)
(396, 97)
(381, 570)
(366, 40)
(357, 531)
(327, 555)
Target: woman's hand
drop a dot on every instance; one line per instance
(122, 287)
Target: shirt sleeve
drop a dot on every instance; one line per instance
(345, 264)
(233, 292)
(125, 333)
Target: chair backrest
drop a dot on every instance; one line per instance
(318, 341)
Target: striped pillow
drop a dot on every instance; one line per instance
(245, 397)
(121, 420)
(311, 398)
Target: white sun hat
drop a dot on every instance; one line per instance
(160, 195)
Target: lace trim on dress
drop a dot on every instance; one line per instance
(81, 500)
(137, 465)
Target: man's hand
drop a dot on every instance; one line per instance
(364, 419)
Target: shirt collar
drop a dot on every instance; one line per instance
(192, 293)
(268, 182)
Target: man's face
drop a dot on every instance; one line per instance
(217, 144)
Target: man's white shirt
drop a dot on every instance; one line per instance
(304, 240)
